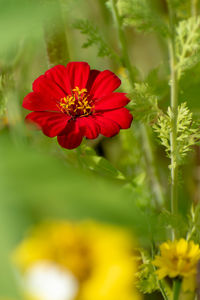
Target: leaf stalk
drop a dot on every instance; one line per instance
(174, 108)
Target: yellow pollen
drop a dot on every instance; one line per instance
(78, 104)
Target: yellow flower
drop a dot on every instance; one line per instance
(178, 258)
(97, 258)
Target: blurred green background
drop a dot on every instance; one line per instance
(39, 180)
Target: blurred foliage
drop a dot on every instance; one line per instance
(93, 37)
(21, 19)
(194, 223)
(139, 13)
(93, 196)
(147, 279)
(35, 185)
(144, 103)
(106, 179)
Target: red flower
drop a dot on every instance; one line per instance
(73, 101)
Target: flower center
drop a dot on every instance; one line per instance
(78, 104)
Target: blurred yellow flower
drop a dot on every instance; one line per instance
(95, 261)
(179, 258)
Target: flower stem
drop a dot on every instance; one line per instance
(174, 108)
(125, 56)
(162, 290)
(176, 289)
(143, 129)
(161, 283)
(150, 161)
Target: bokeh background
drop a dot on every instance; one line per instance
(108, 180)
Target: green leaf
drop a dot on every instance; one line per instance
(99, 164)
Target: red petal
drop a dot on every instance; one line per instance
(91, 79)
(88, 127)
(47, 89)
(78, 74)
(59, 75)
(112, 101)
(105, 83)
(35, 102)
(72, 137)
(51, 123)
(108, 127)
(121, 116)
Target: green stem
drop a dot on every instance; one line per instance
(162, 286)
(125, 56)
(194, 8)
(174, 109)
(144, 132)
(55, 36)
(176, 289)
(162, 290)
(150, 161)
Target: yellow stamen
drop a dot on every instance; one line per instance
(78, 104)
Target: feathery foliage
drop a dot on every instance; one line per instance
(188, 133)
(194, 223)
(93, 37)
(187, 44)
(144, 103)
(147, 281)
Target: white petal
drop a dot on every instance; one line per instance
(47, 281)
